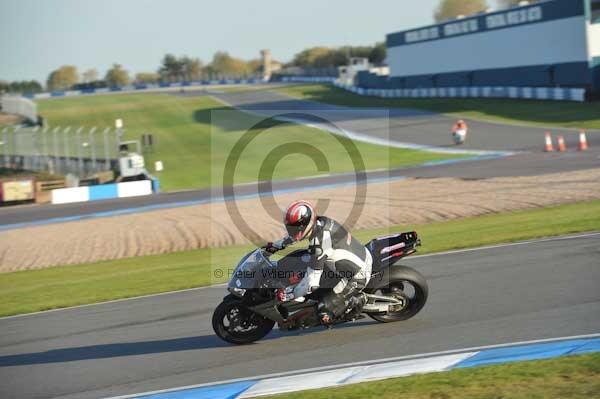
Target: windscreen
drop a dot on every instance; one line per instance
(250, 272)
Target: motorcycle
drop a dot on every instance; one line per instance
(254, 304)
(459, 136)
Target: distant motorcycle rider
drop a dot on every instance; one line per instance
(332, 249)
(459, 132)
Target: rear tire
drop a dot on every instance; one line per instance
(234, 323)
(402, 278)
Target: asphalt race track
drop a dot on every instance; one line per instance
(404, 125)
(397, 124)
(502, 294)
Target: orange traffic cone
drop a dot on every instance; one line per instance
(549, 146)
(561, 144)
(582, 141)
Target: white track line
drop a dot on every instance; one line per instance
(458, 251)
(363, 363)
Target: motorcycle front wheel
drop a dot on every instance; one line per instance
(234, 323)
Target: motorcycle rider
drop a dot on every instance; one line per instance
(331, 245)
(459, 132)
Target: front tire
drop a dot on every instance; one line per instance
(234, 323)
(405, 283)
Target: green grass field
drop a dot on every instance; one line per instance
(195, 135)
(30, 291)
(530, 112)
(574, 377)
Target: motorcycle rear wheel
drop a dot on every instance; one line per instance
(407, 284)
(234, 323)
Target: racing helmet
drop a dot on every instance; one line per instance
(300, 218)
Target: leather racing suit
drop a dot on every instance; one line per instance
(340, 266)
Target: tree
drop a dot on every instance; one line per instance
(378, 53)
(147, 77)
(309, 58)
(192, 68)
(449, 9)
(226, 65)
(255, 66)
(511, 3)
(25, 86)
(324, 57)
(175, 69)
(90, 75)
(117, 76)
(62, 78)
(171, 68)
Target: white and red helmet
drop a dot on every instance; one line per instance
(300, 218)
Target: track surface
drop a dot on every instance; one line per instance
(404, 125)
(529, 291)
(397, 124)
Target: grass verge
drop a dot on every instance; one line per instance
(529, 112)
(195, 135)
(57, 287)
(566, 377)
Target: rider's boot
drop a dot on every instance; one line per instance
(349, 301)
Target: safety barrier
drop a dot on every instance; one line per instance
(101, 192)
(308, 79)
(142, 87)
(528, 93)
(43, 190)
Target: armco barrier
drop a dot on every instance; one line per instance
(380, 369)
(528, 93)
(308, 79)
(101, 192)
(137, 88)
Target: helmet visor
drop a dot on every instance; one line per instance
(296, 232)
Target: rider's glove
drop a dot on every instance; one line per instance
(270, 248)
(273, 247)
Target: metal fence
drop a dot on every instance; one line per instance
(81, 151)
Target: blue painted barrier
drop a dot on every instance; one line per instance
(103, 191)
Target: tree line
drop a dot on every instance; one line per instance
(450, 9)
(223, 65)
(185, 68)
(171, 69)
(24, 86)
